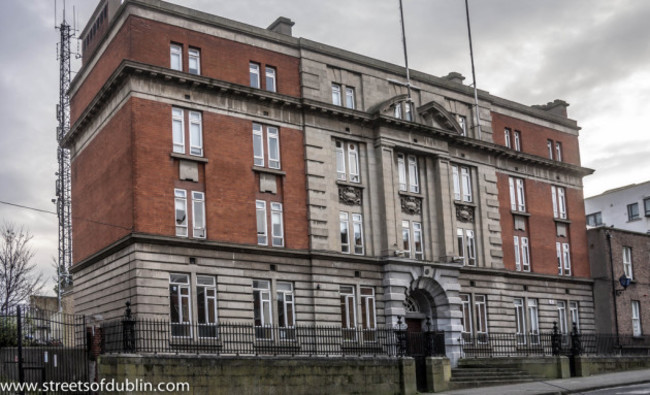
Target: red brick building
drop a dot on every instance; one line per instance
(222, 171)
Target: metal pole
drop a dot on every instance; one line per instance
(471, 55)
(19, 332)
(406, 58)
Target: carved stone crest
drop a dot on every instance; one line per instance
(464, 213)
(350, 195)
(411, 204)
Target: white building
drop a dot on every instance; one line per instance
(626, 208)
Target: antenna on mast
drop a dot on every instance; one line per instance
(471, 55)
(63, 190)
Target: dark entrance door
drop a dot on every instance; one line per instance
(415, 348)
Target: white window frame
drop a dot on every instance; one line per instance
(180, 205)
(408, 111)
(368, 308)
(401, 172)
(347, 161)
(182, 327)
(258, 145)
(558, 151)
(574, 313)
(277, 225)
(349, 98)
(462, 181)
(533, 315)
(344, 232)
(196, 133)
(178, 130)
(520, 320)
(480, 313)
(563, 251)
(462, 122)
(563, 326)
(194, 56)
(254, 75)
(627, 262)
(414, 177)
(637, 329)
(522, 254)
(348, 311)
(406, 238)
(336, 94)
(262, 309)
(558, 195)
(286, 308)
(507, 137)
(549, 147)
(176, 54)
(272, 148)
(467, 246)
(407, 171)
(270, 74)
(260, 215)
(273, 135)
(397, 111)
(517, 194)
(357, 233)
(206, 285)
(418, 241)
(198, 215)
(466, 309)
(517, 136)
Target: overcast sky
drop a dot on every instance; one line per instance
(594, 54)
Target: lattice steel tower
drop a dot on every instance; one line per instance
(63, 204)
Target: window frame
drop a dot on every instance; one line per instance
(286, 307)
(194, 54)
(462, 122)
(517, 138)
(563, 252)
(262, 303)
(262, 230)
(176, 50)
(198, 205)
(637, 328)
(550, 149)
(350, 101)
(344, 231)
(517, 194)
(178, 130)
(627, 262)
(558, 196)
(646, 206)
(480, 311)
(357, 233)
(507, 137)
(270, 78)
(347, 154)
(266, 151)
(336, 94)
(254, 71)
(633, 212)
(277, 223)
(522, 253)
(206, 324)
(184, 308)
(558, 151)
(190, 132)
(533, 316)
(462, 182)
(520, 320)
(347, 296)
(597, 218)
(466, 239)
(368, 308)
(195, 121)
(466, 314)
(574, 313)
(180, 196)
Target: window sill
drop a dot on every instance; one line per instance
(562, 220)
(522, 213)
(634, 219)
(176, 155)
(349, 184)
(411, 194)
(269, 171)
(464, 203)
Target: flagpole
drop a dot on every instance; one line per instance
(406, 59)
(471, 55)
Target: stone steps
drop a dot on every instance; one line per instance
(468, 375)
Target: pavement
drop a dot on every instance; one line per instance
(561, 386)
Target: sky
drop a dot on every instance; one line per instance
(594, 54)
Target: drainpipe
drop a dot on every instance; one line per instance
(613, 281)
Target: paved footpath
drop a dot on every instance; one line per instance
(561, 386)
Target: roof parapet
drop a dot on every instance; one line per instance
(557, 106)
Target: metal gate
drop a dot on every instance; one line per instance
(38, 346)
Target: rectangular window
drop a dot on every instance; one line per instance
(401, 172)
(206, 305)
(414, 183)
(646, 206)
(517, 136)
(286, 310)
(627, 262)
(196, 133)
(368, 319)
(636, 318)
(180, 206)
(179, 305)
(462, 122)
(517, 194)
(595, 219)
(520, 320)
(574, 312)
(397, 110)
(270, 79)
(563, 258)
(336, 94)
(522, 254)
(345, 232)
(176, 57)
(558, 196)
(507, 138)
(549, 147)
(406, 239)
(198, 215)
(347, 166)
(466, 246)
(277, 229)
(558, 151)
(408, 109)
(480, 311)
(408, 175)
(466, 317)
(262, 313)
(349, 97)
(178, 130)
(462, 181)
(254, 70)
(632, 211)
(418, 248)
(348, 312)
(272, 146)
(260, 210)
(357, 227)
(194, 61)
(533, 315)
(561, 320)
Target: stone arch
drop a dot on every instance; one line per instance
(432, 300)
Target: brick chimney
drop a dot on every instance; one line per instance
(282, 25)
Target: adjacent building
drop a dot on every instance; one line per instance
(625, 208)
(222, 171)
(615, 253)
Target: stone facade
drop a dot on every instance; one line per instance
(389, 205)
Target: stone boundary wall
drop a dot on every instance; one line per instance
(591, 365)
(259, 375)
